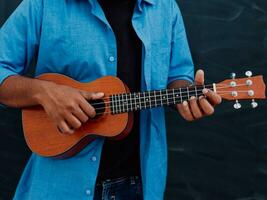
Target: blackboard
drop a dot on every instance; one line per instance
(220, 157)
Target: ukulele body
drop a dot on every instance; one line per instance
(43, 137)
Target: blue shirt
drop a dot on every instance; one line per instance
(73, 37)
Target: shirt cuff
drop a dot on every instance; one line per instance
(5, 73)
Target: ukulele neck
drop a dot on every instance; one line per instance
(129, 102)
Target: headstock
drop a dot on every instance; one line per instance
(251, 87)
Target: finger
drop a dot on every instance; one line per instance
(185, 112)
(207, 108)
(87, 108)
(199, 78)
(73, 122)
(64, 128)
(80, 115)
(92, 95)
(195, 108)
(213, 97)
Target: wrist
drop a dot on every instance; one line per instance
(40, 90)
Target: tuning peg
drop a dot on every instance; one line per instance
(254, 104)
(248, 73)
(237, 105)
(233, 75)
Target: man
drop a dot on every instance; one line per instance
(143, 42)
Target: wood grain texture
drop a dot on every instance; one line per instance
(42, 135)
(258, 87)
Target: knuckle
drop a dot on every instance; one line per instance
(62, 114)
(89, 95)
(72, 107)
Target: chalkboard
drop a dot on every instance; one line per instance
(222, 157)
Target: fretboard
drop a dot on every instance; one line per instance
(128, 102)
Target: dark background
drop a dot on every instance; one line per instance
(222, 157)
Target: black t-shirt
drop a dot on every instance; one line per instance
(121, 158)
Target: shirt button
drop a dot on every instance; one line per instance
(111, 59)
(88, 192)
(93, 158)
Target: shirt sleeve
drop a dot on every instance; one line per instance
(19, 38)
(181, 66)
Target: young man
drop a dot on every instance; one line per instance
(144, 43)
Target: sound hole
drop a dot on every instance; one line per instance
(99, 106)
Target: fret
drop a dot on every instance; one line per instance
(146, 100)
(116, 104)
(143, 100)
(134, 101)
(137, 101)
(122, 103)
(155, 96)
(196, 90)
(126, 103)
(164, 97)
(173, 96)
(149, 97)
(167, 96)
(119, 103)
(188, 93)
(130, 100)
(111, 104)
(160, 96)
(181, 95)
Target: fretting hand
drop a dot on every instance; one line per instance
(203, 106)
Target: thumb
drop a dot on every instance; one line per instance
(93, 95)
(199, 78)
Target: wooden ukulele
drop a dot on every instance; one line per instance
(115, 111)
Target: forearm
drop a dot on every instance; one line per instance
(19, 91)
(178, 84)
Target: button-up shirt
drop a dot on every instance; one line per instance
(74, 38)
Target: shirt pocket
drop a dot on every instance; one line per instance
(160, 62)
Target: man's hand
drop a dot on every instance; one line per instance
(66, 106)
(198, 108)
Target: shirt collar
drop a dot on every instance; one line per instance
(148, 1)
(152, 2)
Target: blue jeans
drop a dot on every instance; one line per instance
(119, 189)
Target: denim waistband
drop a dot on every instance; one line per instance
(109, 182)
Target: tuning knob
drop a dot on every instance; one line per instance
(254, 104)
(237, 105)
(248, 73)
(233, 75)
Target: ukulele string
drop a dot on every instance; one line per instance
(178, 89)
(161, 95)
(169, 103)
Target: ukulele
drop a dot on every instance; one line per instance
(114, 112)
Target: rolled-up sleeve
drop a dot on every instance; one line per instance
(181, 66)
(19, 38)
